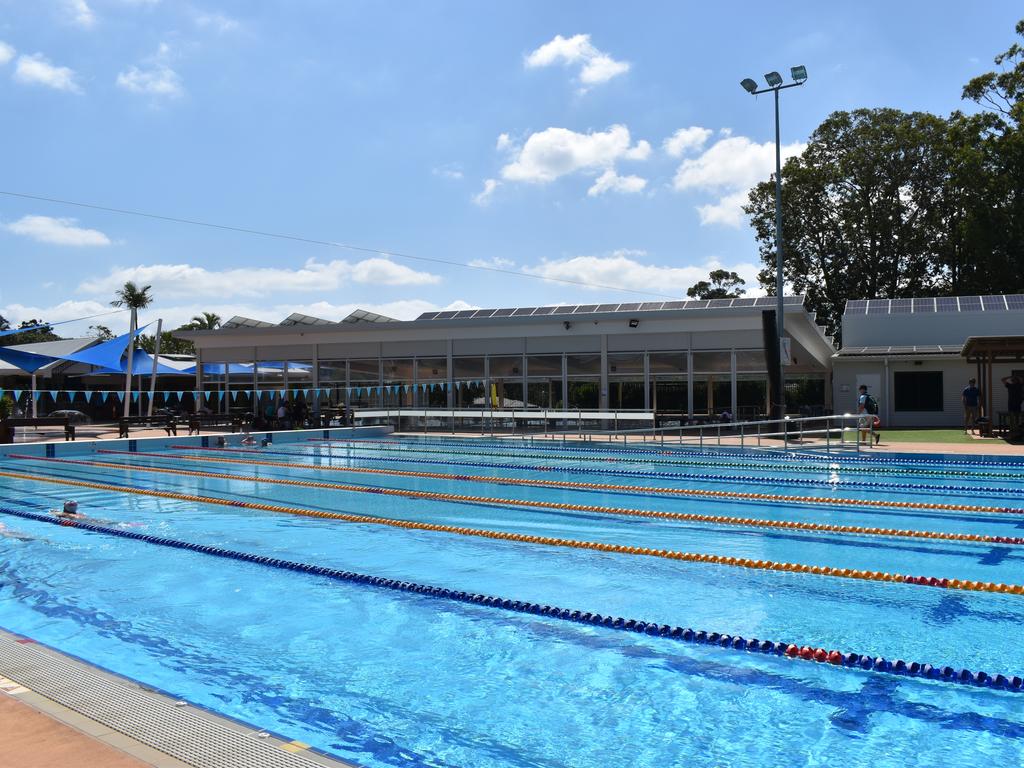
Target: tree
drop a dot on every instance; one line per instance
(168, 344)
(134, 298)
(207, 321)
(720, 284)
(4, 325)
(42, 333)
(101, 332)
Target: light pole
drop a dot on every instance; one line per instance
(774, 80)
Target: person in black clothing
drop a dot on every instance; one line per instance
(1014, 395)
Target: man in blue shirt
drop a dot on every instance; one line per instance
(867, 408)
(971, 397)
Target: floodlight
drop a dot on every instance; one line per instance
(774, 79)
(748, 84)
(633, 323)
(799, 73)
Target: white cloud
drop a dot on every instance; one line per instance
(556, 152)
(730, 167)
(154, 78)
(177, 280)
(610, 181)
(504, 142)
(6, 52)
(624, 269)
(216, 21)
(79, 12)
(495, 262)
(685, 140)
(36, 69)
(596, 66)
(449, 171)
(484, 197)
(56, 231)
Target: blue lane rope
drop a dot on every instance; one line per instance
(690, 451)
(639, 473)
(898, 667)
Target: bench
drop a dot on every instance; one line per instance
(197, 421)
(69, 428)
(167, 423)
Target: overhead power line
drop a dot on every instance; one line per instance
(329, 244)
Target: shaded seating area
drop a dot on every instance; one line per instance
(985, 352)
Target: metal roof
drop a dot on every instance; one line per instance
(995, 303)
(362, 316)
(914, 351)
(763, 302)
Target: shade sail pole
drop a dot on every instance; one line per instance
(127, 405)
(34, 396)
(156, 358)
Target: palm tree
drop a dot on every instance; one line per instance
(130, 296)
(207, 321)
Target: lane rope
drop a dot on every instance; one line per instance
(792, 651)
(690, 557)
(567, 485)
(607, 472)
(682, 462)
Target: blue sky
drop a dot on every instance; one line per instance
(595, 141)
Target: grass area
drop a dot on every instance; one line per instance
(930, 436)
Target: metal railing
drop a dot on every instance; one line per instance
(488, 420)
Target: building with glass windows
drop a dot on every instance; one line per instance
(915, 357)
(676, 359)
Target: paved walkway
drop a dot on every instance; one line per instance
(30, 739)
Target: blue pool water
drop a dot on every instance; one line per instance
(386, 678)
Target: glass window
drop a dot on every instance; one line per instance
(626, 395)
(398, 371)
(583, 365)
(471, 368)
(332, 370)
(626, 365)
(668, 395)
(506, 367)
(712, 362)
(432, 369)
(585, 394)
(750, 360)
(751, 397)
(544, 366)
(364, 371)
(667, 362)
(917, 391)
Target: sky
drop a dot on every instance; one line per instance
(476, 154)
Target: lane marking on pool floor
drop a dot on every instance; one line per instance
(680, 462)
(603, 471)
(946, 674)
(691, 557)
(568, 485)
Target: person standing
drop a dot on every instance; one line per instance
(867, 407)
(971, 398)
(1014, 397)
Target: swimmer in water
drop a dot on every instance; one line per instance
(69, 511)
(7, 533)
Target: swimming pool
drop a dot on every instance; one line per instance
(387, 600)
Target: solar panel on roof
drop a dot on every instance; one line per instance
(650, 305)
(607, 307)
(586, 308)
(483, 313)
(565, 310)
(719, 303)
(970, 303)
(924, 305)
(504, 312)
(445, 315)
(792, 301)
(765, 301)
(524, 311)
(465, 313)
(743, 302)
(853, 306)
(697, 304)
(993, 303)
(427, 316)
(629, 307)
(545, 310)
(674, 305)
(947, 304)
(899, 306)
(1015, 301)
(878, 307)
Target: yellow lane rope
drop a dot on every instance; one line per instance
(675, 516)
(569, 485)
(741, 562)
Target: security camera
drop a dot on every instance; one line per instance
(567, 325)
